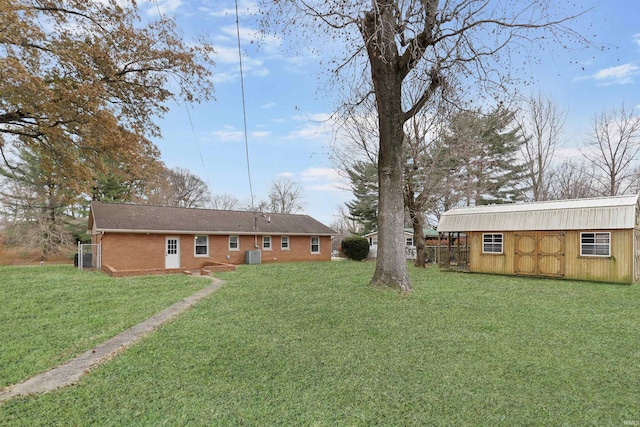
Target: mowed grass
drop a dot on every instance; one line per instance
(312, 344)
(50, 314)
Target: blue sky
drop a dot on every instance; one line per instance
(287, 103)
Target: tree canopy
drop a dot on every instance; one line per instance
(81, 85)
(402, 53)
(81, 79)
(363, 177)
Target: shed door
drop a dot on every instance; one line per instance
(551, 254)
(526, 256)
(539, 254)
(172, 253)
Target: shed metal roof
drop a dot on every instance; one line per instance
(118, 217)
(604, 213)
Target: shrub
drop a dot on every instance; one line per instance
(355, 247)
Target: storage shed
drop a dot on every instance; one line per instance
(594, 239)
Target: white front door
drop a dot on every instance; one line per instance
(172, 253)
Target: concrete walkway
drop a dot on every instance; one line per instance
(71, 371)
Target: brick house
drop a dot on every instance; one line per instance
(163, 239)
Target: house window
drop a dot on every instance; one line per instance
(492, 243)
(284, 243)
(266, 243)
(373, 241)
(315, 244)
(595, 244)
(202, 246)
(234, 243)
(409, 241)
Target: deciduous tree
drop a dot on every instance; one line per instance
(419, 46)
(425, 173)
(613, 148)
(36, 199)
(285, 196)
(573, 180)
(175, 187)
(84, 79)
(541, 123)
(224, 201)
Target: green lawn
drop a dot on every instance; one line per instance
(312, 344)
(50, 314)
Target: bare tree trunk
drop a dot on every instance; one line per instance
(391, 264)
(416, 213)
(418, 238)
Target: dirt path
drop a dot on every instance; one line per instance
(71, 371)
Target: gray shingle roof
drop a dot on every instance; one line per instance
(120, 217)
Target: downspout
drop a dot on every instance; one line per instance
(255, 228)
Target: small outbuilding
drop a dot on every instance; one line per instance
(144, 238)
(595, 239)
(431, 239)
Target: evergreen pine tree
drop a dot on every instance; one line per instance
(364, 185)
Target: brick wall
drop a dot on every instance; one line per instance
(130, 251)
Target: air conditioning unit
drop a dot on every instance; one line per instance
(252, 257)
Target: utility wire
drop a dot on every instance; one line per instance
(244, 108)
(186, 107)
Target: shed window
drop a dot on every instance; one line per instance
(492, 243)
(315, 245)
(234, 244)
(202, 245)
(284, 243)
(595, 244)
(409, 241)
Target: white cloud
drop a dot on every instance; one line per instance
(249, 35)
(618, 75)
(636, 39)
(244, 8)
(317, 126)
(260, 134)
(223, 77)
(619, 72)
(226, 55)
(319, 179)
(323, 179)
(227, 134)
(268, 105)
(165, 7)
(316, 174)
(229, 56)
(326, 187)
(313, 117)
(308, 132)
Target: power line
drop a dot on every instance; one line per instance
(244, 108)
(186, 107)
